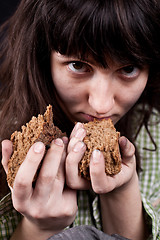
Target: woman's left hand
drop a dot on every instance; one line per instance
(100, 182)
(120, 198)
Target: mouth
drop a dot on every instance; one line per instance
(89, 118)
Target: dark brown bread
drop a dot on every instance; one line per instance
(101, 135)
(39, 128)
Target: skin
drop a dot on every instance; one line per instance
(84, 91)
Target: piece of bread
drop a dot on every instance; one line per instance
(39, 128)
(101, 135)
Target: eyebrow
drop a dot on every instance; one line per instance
(90, 60)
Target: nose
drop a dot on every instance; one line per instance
(101, 96)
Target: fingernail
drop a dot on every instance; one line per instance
(78, 125)
(65, 140)
(58, 142)
(80, 132)
(38, 147)
(96, 155)
(123, 142)
(78, 147)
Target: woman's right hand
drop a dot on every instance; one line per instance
(51, 205)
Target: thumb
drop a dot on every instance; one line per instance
(127, 150)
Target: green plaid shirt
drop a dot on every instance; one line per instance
(88, 213)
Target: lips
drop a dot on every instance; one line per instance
(89, 118)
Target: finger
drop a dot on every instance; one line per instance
(65, 141)
(6, 153)
(23, 181)
(73, 179)
(97, 172)
(102, 183)
(52, 170)
(76, 127)
(127, 150)
(79, 136)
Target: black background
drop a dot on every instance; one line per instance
(7, 8)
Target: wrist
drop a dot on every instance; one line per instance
(122, 211)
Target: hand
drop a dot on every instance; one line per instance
(50, 206)
(120, 197)
(100, 182)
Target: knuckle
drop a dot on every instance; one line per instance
(20, 206)
(95, 171)
(71, 184)
(20, 183)
(98, 189)
(131, 150)
(17, 206)
(72, 143)
(70, 160)
(45, 179)
(38, 214)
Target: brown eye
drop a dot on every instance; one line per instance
(129, 71)
(78, 67)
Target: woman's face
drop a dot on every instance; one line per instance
(86, 91)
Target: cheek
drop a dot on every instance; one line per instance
(129, 96)
(61, 85)
(64, 91)
(67, 92)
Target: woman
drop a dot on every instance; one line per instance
(89, 59)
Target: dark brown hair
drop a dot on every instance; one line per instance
(127, 31)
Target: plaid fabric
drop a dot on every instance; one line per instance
(9, 218)
(149, 178)
(88, 213)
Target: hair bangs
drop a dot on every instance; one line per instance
(102, 29)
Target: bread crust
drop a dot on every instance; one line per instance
(39, 128)
(101, 135)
